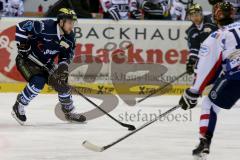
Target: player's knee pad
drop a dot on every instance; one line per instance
(207, 105)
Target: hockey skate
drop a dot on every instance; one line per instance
(18, 113)
(72, 116)
(202, 150)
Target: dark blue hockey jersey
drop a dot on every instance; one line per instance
(45, 40)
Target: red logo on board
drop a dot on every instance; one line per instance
(8, 53)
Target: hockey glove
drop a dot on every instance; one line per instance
(188, 99)
(114, 14)
(23, 49)
(58, 79)
(136, 14)
(192, 61)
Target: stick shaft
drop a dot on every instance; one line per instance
(141, 127)
(163, 87)
(94, 104)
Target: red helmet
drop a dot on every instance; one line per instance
(223, 13)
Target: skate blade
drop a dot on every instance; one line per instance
(22, 123)
(76, 122)
(202, 156)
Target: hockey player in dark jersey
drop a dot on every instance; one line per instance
(201, 28)
(39, 43)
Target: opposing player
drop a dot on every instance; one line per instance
(235, 3)
(39, 43)
(120, 10)
(219, 52)
(202, 26)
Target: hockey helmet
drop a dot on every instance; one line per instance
(223, 13)
(65, 13)
(194, 8)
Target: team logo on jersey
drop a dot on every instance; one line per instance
(204, 50)
(28, 26)
(51, 52)
(215, 35)
(213, 94)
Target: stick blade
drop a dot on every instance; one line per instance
(92, 147)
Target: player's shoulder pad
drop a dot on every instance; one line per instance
(38, 27)
(49, 22)
(191, 31)
(189, 28)
(233, 25)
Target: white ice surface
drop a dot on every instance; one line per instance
(47, 138)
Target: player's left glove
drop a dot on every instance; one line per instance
(23, 49)
(191, 63)
(188, 99)
(136, 14)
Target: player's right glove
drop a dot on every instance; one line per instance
(191, 63)
(58, 78)
(114, 14)
(23, 49)
(188, 99)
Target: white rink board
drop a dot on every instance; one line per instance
(154, 42)
(47, 138)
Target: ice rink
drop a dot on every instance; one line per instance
(47, 138)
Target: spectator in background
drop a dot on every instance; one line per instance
(124, 9)
(177, 11)
(1, 7)
(83, 8)
(12, 8)
(155, 9)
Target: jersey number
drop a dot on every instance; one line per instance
(236, 37)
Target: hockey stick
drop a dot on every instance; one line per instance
(129, 126)
(160, 89)
(97, 148)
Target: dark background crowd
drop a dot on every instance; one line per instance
(110, 9)
(137, 9)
